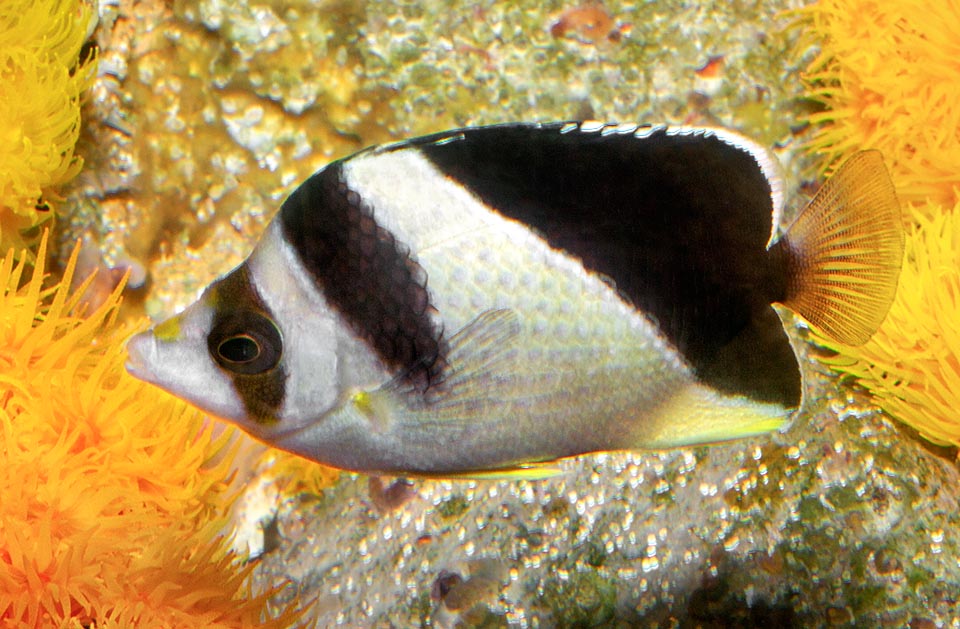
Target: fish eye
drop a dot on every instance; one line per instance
(241, 348)
(245, 342)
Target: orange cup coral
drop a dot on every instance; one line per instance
(888, 75)
(113, 494)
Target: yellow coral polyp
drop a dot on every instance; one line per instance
(889, 77)
(114, 495)
(41, 79)
(912, 364)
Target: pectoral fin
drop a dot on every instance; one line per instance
(479, 357)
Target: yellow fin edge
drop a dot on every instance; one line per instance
(525, 471)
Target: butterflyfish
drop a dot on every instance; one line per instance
(485, 301)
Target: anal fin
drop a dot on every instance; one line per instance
(698, 415)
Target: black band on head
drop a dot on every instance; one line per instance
(259, 380)
(365, 273)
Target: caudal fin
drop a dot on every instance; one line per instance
(844, 252)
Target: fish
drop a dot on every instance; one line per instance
(483, 302)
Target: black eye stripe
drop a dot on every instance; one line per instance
(240, 310)
(245, 342)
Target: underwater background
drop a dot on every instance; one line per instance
(163, 135)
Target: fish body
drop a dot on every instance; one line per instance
(484, 299)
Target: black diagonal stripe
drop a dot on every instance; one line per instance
(365, 273)
(679, 222)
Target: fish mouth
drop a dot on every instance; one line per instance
(141, 353)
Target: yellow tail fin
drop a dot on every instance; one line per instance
(844, 252)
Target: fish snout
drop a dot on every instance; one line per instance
(142, 353)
